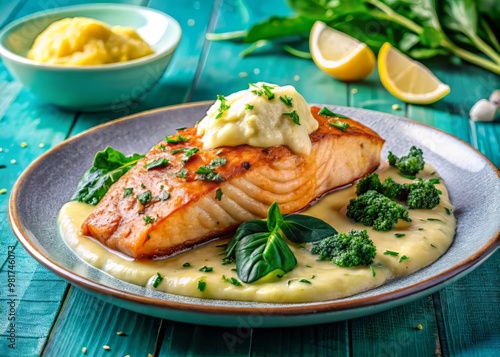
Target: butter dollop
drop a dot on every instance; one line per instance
(82, 41)
(263, 115)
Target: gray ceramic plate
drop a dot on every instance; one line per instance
(49, 182)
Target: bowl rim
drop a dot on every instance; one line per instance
(172, 23)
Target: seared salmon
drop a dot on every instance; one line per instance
(201, 193)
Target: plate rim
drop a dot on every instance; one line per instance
(270, 309)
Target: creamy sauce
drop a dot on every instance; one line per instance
(253, 119)
(424, 242)
(82, 41)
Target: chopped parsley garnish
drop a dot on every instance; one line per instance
(156, 163)
(433, 246)
(207, 172)
(206, 269)
(223, 106)
(403, 258)
(341, 125)
(390, 252)
(304, 281)
(434, 181)
(176, 140)
(420, 229)
(287, 100)
(162, 147)
(294, 116)
(202, 285)
(218, 194)
(290, 281)
(165, 195)
(448, 211)
(434, 219)
(157, 280)
(231, 280)
(227, 260)
(148, 220)
(188, 152)
(248, 106)
(186, 265)
(181, 128)
(399, 235)
(182, 173)
(257, 92)
(145, 198)
(328, 113)
(373, 271)
(128, 191)
(143, 186)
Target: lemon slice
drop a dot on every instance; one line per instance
(341, 56)
(407, 79)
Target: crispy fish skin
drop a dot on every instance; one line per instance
(254, 178)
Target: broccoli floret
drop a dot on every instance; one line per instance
(374, 209)
(422, 194)
(410, 164)
(389, 188)
(346, 250)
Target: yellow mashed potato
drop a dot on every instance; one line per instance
(82, 41)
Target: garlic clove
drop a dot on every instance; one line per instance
(483, 110)
(495, 98)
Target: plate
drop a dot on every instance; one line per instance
(49, 182)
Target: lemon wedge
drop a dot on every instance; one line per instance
(407, 79)
(341, 56)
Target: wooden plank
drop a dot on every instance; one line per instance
(103, 323)
(468, 312)
(175, 84)
(488, 140)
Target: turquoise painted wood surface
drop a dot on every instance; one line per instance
(55, 319)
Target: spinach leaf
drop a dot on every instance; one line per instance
(108, 166)
(247, 228)
(300, 228)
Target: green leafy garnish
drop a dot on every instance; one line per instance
(403, 258)
(186, 264)
(304, 281)
(165, 195)
(202, 285)
(399, 235)
(248, 106)
(208, 173)
(145, 198)
(206, 269)
(341, 125)
(128, 191)
(156, 163)
(328, 113)
(390, 252)
(301, 228)
(108, 166)
(157, 280)
(294, 116)
(182, 173)
(448, 211)
(287, 100)
(176, 140)
(264, 89)
(223, 106)
(149, 220)
(218, 194)
(231, 280)
(188, 153)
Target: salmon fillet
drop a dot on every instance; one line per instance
(197, 210)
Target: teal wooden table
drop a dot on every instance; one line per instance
(56, 319)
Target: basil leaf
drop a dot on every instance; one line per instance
(260, 253)
(276, 27)
(300, 228)
(247, 228)
(274, 217)
(108, 166)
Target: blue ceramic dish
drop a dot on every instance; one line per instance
(50, 181)
(92, 88)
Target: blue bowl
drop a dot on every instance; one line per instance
(92, 88)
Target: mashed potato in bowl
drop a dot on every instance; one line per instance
(81, 41)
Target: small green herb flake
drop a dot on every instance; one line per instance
(145, 198)
(176, 140)
(267, 91)
(294, 116)
(181, 128)
(128, 191)
(188, 153)
(290, 281)
(434, 219)
(156, 163)
(390, 252)
(227, 260)
(182, 173)
(219, 152)
(399, 235)
(434, 181)
(218, 194)
(287, 100)
(202, 285)
(149, 220)
(248, 106)
(223, 106)
(373, 271)
(403, 258)
(420, 229)
(305, 281)
(157, 280)
(433, 246)
(163, 196)
(186, 265)
(448, 211)
(341, 125)
(231, 280)
(162, 147)
(142, 186)
(206, 269)
(328, 113)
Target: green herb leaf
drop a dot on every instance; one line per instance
(218, 194)
(399, 235)
(157, 280)
(231, 280)
(304, 281)
(279, 27)
(176, 140)
(223, 106)
(274, 217)
(390, 252)
(128, 191)
(374, 274)
(294, 116)
(149, 220)
(156, 163)
(202, 285)
(328, 113)
(186, 265)
(301, 228)
(182, 173)
(448, 211)
(403, 258)
(145, 198)
(108, 166)
(341, 125)
(206, 269)
(188, 153)
(248, 106)
(287, 100)
(165, 195)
